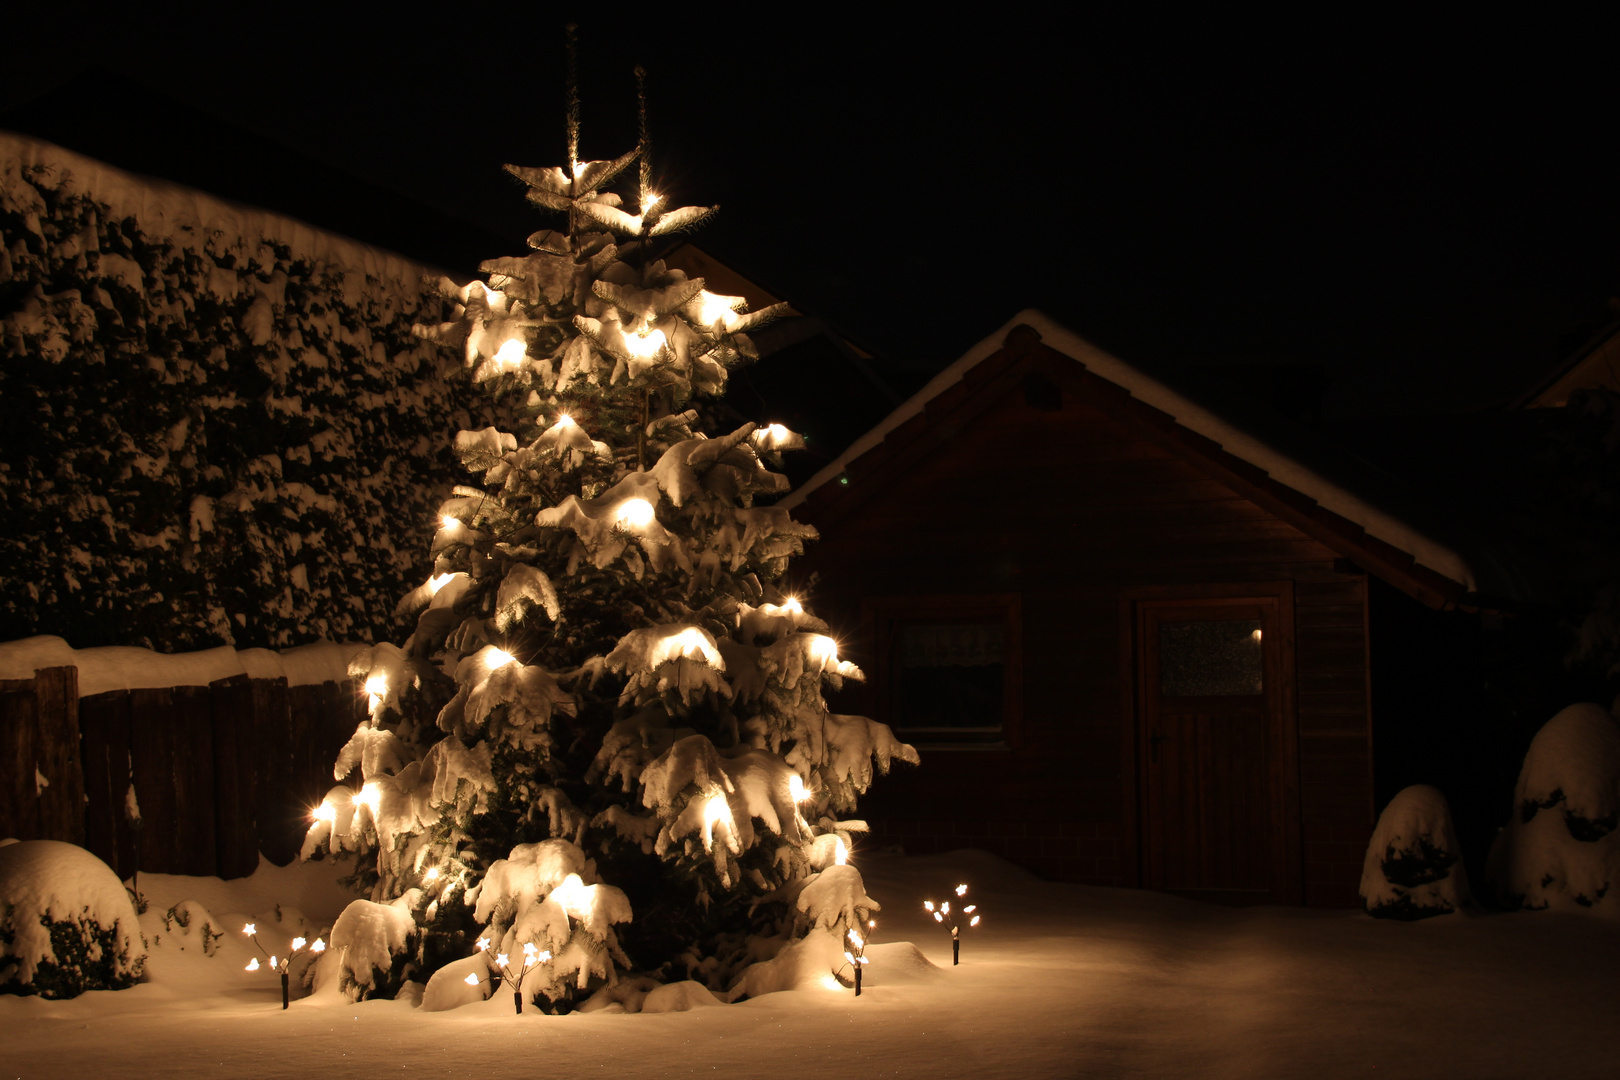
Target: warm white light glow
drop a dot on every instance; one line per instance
(500, 958)
(841, 852)
(471, 980)
(938, 917)
(823, 649)
(483, 943)
(250, 930)
(797, 789)
(690, 644)
(717, 309)
(511, 354)
(564, 420)
(716, 809)
(855, 938)
(319, 946)
(945, 907)
(448, 522)
(974, 921)
(929, 904)
(636, 513)
(438, 582)
(831, 983)
(432, 874)
(793, 605)
(645, 345)
(1255, 635)
(649, 202)
(272, 963)
(253, 964)
(961, 890)
(370, 797)
(298, 943)
(377, 686)
(498, 658)
(970, 909)
(492, 297)
(528, 949)
(324, 812)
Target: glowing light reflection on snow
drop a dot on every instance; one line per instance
(645, 345)
(635, 513)
(498, 658)
(370, 797)
(511, 354)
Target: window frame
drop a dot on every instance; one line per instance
(882, 617)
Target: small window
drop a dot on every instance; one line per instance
(947, 669)
(1216, 658)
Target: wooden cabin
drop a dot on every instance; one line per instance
(1129, 638)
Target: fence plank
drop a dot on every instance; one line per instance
(19, 800)
(281, 813)
(194, 780)
(152, 751)
(236, 834)
(61, 802)
(343, 713)
(104, 751)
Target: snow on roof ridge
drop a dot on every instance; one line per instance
(123, 667)
(1279, 466)
(164, 208)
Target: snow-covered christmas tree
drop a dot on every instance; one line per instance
(607, 736)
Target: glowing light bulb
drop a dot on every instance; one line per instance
(564, 420)
(797, 789)
(1255, 635)
(974, 921)
(483, 943)
(715, 810)
(649, 202)
(432, 874)
(253, 964)
(823, 649)
(500, 958)
(511, 354)
(250, 930)
(636, 513)
(777, 434)
(448, 522)
(961, 890)
(938, 917)
(298, 943)
(717, 309)
(324, 812)
(498, 658)
(272, 963)
(841, 852)
(319, 946)
(528, 948)
(646, 344)
(928, 904)
(370, 797)
(377, 685)
(438, 582)
(577, 168)
(471, 980)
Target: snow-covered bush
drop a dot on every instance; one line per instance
(66, 923)
(1413, 868)
(372, 951)
(217, 418)
(608, 737)
(1561, 849)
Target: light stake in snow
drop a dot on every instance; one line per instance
(856, 953)
(953, 921)
(277, 964)
(501, 972)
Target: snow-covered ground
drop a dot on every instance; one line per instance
(1059, 981)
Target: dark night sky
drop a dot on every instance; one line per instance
(1427, 209)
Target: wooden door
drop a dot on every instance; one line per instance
(1215, 750)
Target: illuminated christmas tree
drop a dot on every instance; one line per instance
(607, 736)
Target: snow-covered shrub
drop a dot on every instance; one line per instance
(372, 950)
(219, 420)
(66, 922)
(1561, 849)
(1414, 865)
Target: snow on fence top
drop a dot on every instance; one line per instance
(1239, 443)
(120, 667)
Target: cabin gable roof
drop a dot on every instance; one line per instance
(1030, 344)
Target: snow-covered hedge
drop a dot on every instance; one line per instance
(1561, 848)
(218, 421)
(1414, 864)
(66, 923)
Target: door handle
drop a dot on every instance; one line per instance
(1153, 745)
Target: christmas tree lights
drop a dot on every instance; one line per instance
(952, 920)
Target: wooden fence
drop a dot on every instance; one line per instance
(221, 772)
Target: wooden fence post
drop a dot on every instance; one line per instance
(152, 750)
(236, 834)
(56, 711)
(19, 726)
(281, 812)
(104, 748)
(193, 824)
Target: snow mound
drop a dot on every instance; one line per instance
(369, 951)
(807, 964)
(66, 923)
(679, 997)
(449, 989)
(1413, 868)
(1561, 849)
(898, 963)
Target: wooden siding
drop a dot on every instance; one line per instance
(1070, 508)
